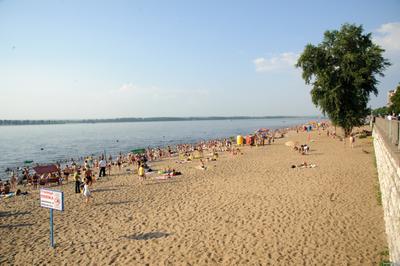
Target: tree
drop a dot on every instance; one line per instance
(395, 99)
(381, 111)
(342, 70)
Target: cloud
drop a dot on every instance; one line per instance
(130, 87)
(388, 36)
(279, 62)
(126, 87)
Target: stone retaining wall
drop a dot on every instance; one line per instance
(388, 164)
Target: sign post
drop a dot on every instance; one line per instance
(51, 229)
(53, 200)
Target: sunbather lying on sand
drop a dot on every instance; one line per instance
(214, 157)
(169, 172)
(236, 151)
(304, 165)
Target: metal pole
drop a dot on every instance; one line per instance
(51, 229)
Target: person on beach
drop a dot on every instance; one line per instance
(109, 166)
(141, 172)
(77, 178)
(119, 162)
(25, 175)
(66, 172)
(90, 161)
(1, 187)
(102, 167)
(352, 140)
(6, 188)
(86, 164)
(305, 150)
(13, 181)
(35, 181)
(86, 192)
(73, 164)
(88, 176)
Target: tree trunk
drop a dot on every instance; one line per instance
(347, 132)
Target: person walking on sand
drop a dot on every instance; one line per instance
(352, 140)
(86, 192)
(102, 167)
(88, 176)
(77, 178)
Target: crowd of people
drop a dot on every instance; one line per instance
(87, 170)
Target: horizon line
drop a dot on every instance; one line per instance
(5, 122)
(161, 117)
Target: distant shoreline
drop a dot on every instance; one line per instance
(137, 119)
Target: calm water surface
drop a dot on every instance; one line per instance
(49, 143)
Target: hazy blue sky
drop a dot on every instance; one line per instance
(98, 59)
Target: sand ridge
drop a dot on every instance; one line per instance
(250, 209)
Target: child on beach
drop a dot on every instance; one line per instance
(86, 192)
(109, 166)
(141, 172)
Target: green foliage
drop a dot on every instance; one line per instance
(342, 70)
(381, 111)
(384, 258)
(385, 252)
(395, 107)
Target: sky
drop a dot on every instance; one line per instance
(105, 59)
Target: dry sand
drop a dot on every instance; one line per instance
(250, 209)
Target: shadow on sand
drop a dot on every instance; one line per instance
(115, 202)
(103, 189)
(157, 182)
(315, 153)
(9, 214)
(9, 226)
(148, 236)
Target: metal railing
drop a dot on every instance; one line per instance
(390, 128)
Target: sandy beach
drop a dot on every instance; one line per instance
(250, 209)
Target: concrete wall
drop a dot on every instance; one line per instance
(388, 164)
